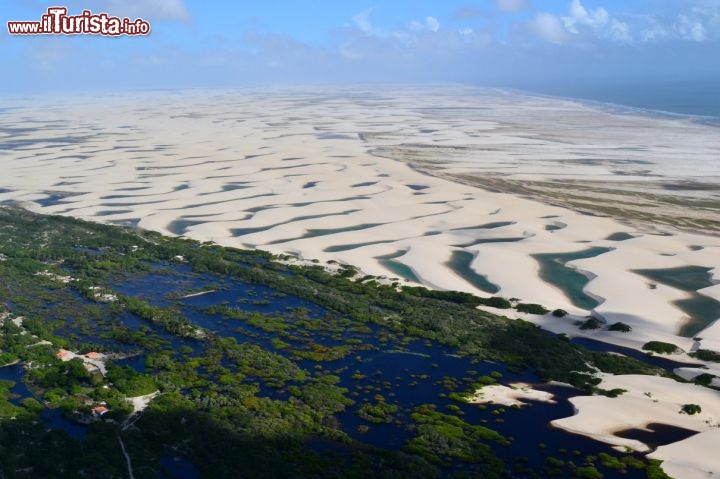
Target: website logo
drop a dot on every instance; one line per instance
(57, 22)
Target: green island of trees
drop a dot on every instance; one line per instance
(660, 347)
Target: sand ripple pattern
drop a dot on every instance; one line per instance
(313, 174)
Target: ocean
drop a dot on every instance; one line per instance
(684, 98)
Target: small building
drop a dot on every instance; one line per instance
(64, 355)
(100, 411)
(94, 355)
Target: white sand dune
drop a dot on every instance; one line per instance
(514, 395)
(245, 168)
(647, 400)
(693, 458)
(310, 173)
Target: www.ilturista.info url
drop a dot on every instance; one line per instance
(57, 22)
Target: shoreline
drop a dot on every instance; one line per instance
(624, 109)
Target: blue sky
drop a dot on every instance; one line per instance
(521, 43)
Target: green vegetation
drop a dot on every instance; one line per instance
(704, 379)
(611, 393)
(559, 313)
(131, 383)
(7, 410)
(660, 347)
(691, 409)
(654, 471)
(706, 355)
(379, 412)
(496, 302)
(591, 323)
(587, 472)
(531, 308)
(443, 438)
(255, 387)
(622, 327)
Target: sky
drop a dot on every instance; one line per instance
(527, 44)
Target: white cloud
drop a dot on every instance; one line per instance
(512, 5)
(579, 25)
(549, 27)
(406, 35)
(619, 31)
(595, 20)
(430, 24)
(654, 32)
(362, 21)
(698, 24)
(418, 38)
(595, 23)
(690, 28)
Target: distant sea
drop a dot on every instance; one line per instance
(697, 99)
